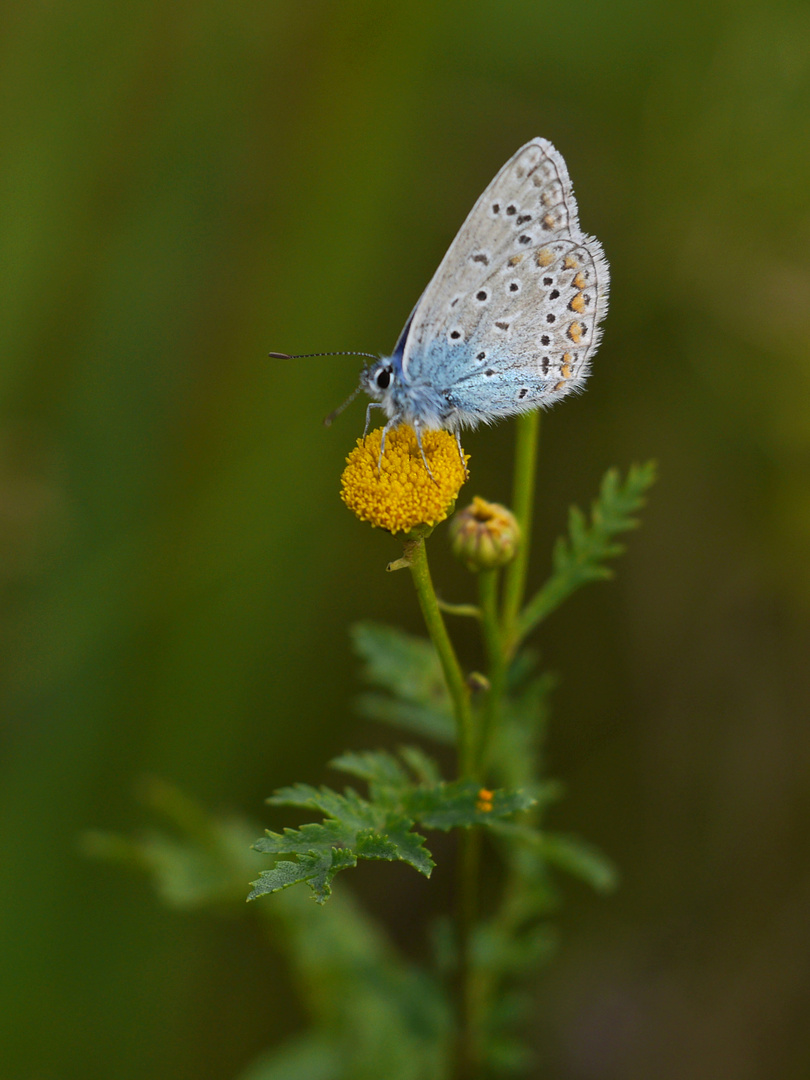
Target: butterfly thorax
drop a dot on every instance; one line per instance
(416, 402)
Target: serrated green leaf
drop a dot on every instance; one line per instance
(580, 859)
(418, 719)
(397, 661)
(460, 804)
(353, 828)
(349, 808)
(384, 774)
(373, 766)
(517, 752)
(294, 795)
(375, 1005)
(569, 853)
(203, 861)
(579, 558)
(314, 836)
(315, 868)
(423, 767)
(397, 842)
(380, 827)
(407, 668)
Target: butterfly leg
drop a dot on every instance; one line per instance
(461, 455)
(417, 430)
(373, 405)
(386, 429)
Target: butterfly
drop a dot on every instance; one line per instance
(511, 318)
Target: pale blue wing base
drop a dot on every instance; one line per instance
(536, 351)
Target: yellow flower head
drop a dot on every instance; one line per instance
(401, 494)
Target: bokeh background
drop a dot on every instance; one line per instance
(186, 186)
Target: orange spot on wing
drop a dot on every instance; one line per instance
(575, 332)
(571, 263)
(579, 280)
(578, 304)
(549, 221)
(515, 260)
(544, 257)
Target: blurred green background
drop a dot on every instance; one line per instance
(186, 186)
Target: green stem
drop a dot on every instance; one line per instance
(488, 604)
(528, 432)
(466, 1056)
(497, 663)
(416, 554)
(500, 642)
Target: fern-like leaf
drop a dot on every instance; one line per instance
(380, 827)
(580, 557)
(408, 685)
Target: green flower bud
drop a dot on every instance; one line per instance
(484, 535)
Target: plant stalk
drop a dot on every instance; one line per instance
(416, 554)
(497, 664)
(466, 1048)
(527, 438)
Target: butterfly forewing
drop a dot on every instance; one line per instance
(511, 316)
(530, 197)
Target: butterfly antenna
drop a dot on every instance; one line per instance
(307, 355)
(336, 412)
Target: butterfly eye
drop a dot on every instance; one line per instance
(384, 379)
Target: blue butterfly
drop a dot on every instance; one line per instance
(510, 320)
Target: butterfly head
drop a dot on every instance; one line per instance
(380, 383)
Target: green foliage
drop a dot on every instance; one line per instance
(579, 558)
(405, 792)
(517, 760)
(366, 1003)
(194, 859)
(406, 673)
(379, 827)
(578, 858)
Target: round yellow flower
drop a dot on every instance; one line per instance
(401, 494)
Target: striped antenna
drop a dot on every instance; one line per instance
(307, 355)
(336, 412)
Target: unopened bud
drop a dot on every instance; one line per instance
(484, 535)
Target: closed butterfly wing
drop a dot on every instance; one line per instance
(511, 317)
